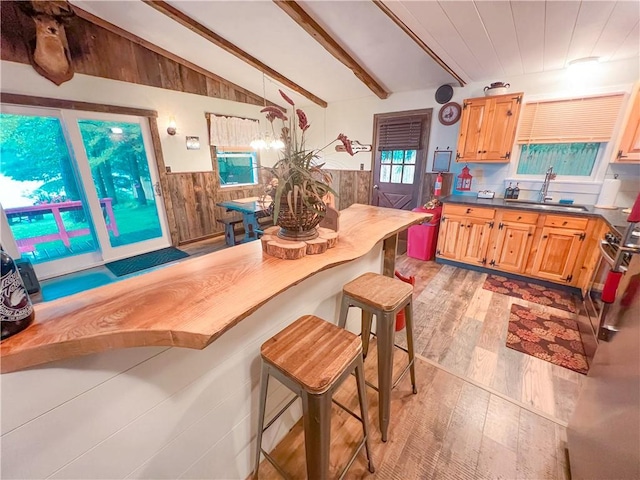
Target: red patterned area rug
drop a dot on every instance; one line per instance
(545, 336)
(532, 292)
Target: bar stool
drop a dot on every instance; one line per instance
(383, 297)
(312, 357)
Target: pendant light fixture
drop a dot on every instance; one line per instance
(266, 141)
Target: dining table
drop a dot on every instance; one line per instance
(251, 208)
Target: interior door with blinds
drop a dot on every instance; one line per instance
(401, 141)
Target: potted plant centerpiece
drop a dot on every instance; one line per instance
(299, 185)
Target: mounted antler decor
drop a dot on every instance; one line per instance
(50, 53)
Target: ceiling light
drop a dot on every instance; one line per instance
(584, 65)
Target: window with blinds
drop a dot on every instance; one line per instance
(589, 119)
(566, 134)
(400, 134)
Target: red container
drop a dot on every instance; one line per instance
(422, 241)
(400, 320)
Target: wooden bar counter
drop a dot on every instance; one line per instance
(192, 303)
(90, 408)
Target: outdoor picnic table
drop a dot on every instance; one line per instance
(251, 209)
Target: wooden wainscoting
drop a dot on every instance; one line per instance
(193, 198)
(352, 186)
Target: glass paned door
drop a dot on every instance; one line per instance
(123, 182)
(120, 173)
(78, 188)
(40, 193)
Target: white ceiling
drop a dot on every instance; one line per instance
(479, 40)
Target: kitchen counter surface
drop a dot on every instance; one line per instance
(614, 217)
(193, 302)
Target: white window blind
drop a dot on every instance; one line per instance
(589, 119)
(232, 131)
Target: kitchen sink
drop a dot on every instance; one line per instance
(561, 207)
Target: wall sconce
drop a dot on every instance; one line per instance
(171, 129)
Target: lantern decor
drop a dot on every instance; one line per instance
(463, 181)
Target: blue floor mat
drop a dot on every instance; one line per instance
(58, 288)
(145, 261)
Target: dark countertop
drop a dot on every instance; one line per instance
(614, 217)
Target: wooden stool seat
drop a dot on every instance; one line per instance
(383, 297)
(378, 291)
(312, 352)
(312, 358)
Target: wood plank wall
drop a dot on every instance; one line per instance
(98, 52)
(352, 186)
(194, 196)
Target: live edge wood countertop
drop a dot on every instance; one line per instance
(191, 303)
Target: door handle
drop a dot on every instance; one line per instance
(376, 187)
(157, 189)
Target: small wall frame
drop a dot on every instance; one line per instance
(441, 160)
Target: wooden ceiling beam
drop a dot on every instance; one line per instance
(194, 26)
(381, 5)
(309, 25)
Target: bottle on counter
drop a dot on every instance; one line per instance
(509, 191)
(16, 309)
(516, 192)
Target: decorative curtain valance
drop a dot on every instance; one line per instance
(232, 131)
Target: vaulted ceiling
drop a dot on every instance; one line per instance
(327, 51)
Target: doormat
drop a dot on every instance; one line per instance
(144, 261)
(545, 336)
(532, 292)
(74, 283)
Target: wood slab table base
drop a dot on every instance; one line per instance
(292, 250)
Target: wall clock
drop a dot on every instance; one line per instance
(450, 113)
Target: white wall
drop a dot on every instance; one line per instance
(355, 118)
(188, 109)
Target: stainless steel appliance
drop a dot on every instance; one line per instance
(603, 436)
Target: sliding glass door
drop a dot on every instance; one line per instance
(78, 188)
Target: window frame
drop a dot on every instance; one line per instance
(255, 154)
(603, 156)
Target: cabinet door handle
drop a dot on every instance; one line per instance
(468, 210)
(564, 223)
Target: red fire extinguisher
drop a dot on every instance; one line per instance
(437, 188)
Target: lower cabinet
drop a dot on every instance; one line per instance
(512, 246)
(545, 246)
(557, 254)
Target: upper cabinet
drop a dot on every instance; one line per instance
(488, 128)
(629, 148)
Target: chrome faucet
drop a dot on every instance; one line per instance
(545, 186)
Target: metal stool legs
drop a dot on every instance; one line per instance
(386, 335)
(316, 421)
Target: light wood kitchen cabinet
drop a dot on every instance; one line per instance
(629, 148)
(512, 246)
(488, 128)
(557, 254)
(560, 243)
(464, 233)
(545, 246)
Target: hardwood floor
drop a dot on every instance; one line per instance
(451, 429)
(482, 410)
(462, 328)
